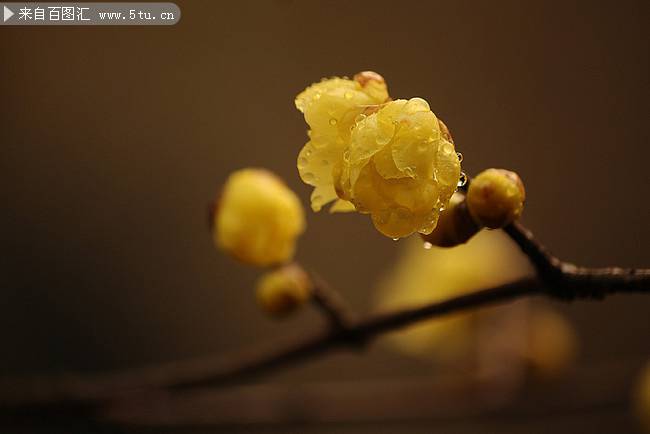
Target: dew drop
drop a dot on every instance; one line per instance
(308, 177)
(308, 153)
(348, 95)
(408, 171)
(333, 121)
(383, 139)
(346, 155)
(302, 162)
(317, 96)
(395, 239)
(462, 180)
(427, 245)
(460, 157)
(359, 118)
(447, 148)
(428, 228)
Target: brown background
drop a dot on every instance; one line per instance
(114, 139)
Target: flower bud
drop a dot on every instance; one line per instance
(455, 225)
(495, 198)
(281, 291)
(552, 344)
(373, 84)
(258, 218)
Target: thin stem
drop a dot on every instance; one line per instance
(331, 303)
(548, 267)
(568, 281)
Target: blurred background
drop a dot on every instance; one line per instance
(113, 140)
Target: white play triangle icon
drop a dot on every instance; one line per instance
(7, 13)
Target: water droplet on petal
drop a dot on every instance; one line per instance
(333, 121)
(348, 95)
(308, 177)
(462, 180)
(383, 139)
(395, 239)
(302, 162)
(427, 245)
(460, 157)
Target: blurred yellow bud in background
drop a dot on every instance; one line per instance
(281, 291)
(257, 218)
(495, 198)
(424, 275)
(642, 398)
(552, 344)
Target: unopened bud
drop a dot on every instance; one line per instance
(455, 225)
(495, 198)
(281, 291)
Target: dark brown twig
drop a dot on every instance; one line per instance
(215, 371)
(330, 303)
(568, 281)
(554, 278)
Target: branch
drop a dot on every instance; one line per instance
(330, 303)
(85, 393)
(79, 391)
(568, 281)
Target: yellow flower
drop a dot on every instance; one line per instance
(400, 168)
(330, 108)
(393, 160)
(257, 218)
(281, 291)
